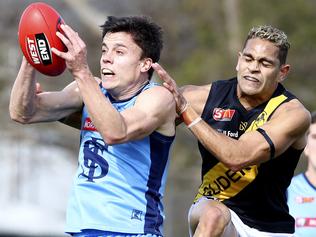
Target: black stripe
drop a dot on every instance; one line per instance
(268, 139)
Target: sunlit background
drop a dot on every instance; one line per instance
(202, 40)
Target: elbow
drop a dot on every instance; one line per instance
(114, 139)
(234, 163)
(234, 166)
(111, 141)
(239, 164)
(116, 135)
(18, 118)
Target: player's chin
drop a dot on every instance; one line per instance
(108, 83)
(251, 90)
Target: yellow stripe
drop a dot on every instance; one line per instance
(263, 117)
(220, 182)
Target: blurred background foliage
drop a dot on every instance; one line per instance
(202, 41)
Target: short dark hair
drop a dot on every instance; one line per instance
(274, 35)
(146, 34)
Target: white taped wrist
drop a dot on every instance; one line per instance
(195, 121)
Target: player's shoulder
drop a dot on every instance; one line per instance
(157, 90)
(296, 109)
(156, 94)
(195, 88)
(295, 118)
(191, 92)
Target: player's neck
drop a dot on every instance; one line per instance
(311, 176)
(250, 102)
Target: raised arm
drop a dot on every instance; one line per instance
(29, 106)
(154, 109)
(286, 128)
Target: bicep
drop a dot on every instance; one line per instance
(287, 128)
(152, 112)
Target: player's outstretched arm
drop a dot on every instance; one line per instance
(23, 94)
(287, 127)
(29, 105)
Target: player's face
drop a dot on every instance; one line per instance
(310, 150)
(121, 65)
(259, 69)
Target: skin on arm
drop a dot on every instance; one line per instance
(154, 109)
(72, 120)
(184, 94)
(29, 105)
(286, 128)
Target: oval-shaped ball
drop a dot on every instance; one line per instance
(37, 35)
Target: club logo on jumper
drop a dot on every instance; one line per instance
(223, 114)
(38, 49)
(88, 125)
(260, 120)
(243, 126)
(94, 165)
(301, 200)
(137, 214)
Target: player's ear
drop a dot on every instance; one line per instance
(284, 71)
(239, 56)
(146, 64)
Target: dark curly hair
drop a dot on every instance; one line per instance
(146, 34)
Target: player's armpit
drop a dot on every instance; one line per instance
(73, 120)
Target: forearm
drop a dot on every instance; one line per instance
(105, 117)
(23, 94)
(225, 149)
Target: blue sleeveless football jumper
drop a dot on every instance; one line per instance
(119, 188)
(257, 194)
(301, 198)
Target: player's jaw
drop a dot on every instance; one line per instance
(250, 84)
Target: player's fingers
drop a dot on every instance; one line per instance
(38, 88)
(61, 54)
(74, 38)
(68, 30)
(81, 43)
(169, 87)
(162, 73)
(65, 40)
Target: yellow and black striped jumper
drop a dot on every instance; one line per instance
(257, 193)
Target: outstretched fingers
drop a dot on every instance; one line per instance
(71, 40)
(171, 85)
(76, 55)
(168, 82)
(66, 42)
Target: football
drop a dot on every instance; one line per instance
(37, 35)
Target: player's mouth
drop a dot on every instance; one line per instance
(250, 78)
(107, 72)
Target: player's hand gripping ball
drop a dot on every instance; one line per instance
(37, 35)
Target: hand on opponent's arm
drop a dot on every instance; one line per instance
(286, 128)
